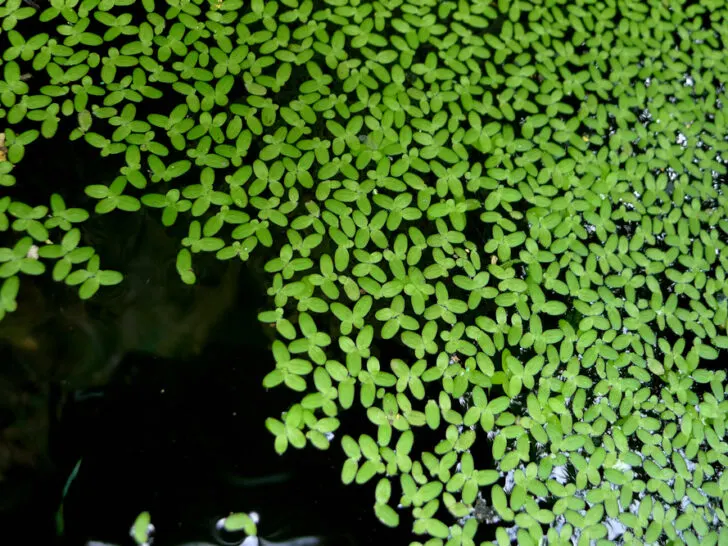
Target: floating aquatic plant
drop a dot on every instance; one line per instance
(525, 199)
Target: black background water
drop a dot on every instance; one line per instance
(170, 436)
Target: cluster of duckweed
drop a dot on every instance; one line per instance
(523, 202)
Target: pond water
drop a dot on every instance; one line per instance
(149, 397)
(152, 391)
(180, 436)
(155, 387)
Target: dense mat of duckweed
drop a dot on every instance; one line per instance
(523, 201)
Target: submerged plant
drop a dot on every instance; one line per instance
(526, 199)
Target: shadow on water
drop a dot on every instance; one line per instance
(189, 445)
(156, 387)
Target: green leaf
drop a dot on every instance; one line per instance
(88, 288)
(707, 352)
(386, 514)
(500, 502)
(437, 529)
(8, 293)
(366, 472)
(383, 491)
(184, 266)
(554, 308)
(240, 522)
(140, 529)
(349, 471)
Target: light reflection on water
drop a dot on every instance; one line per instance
(563, 474)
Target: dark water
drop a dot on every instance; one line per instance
(156, 387)
(180, 435)
(176, 443)
(185, 440)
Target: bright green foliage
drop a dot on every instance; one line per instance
(142, 528)
(528, 198)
